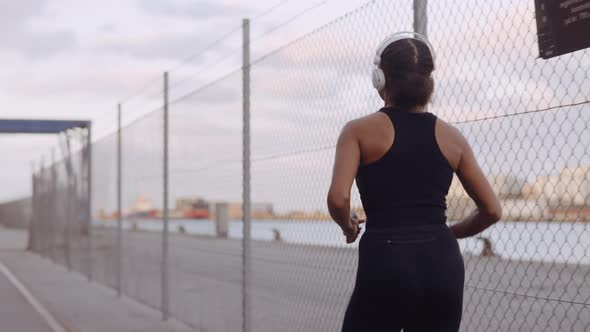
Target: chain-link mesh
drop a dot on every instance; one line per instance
(79, 228)
(526, 118)
(528, 122)
(142, 192)
(105, 251)
(302, 95)
(205, 174)
(60, 228)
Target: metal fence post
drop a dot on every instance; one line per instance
(33, 222)
(38, 201)
(69, 202)
(43, 206)
(119, 207)
(52, 213)
(420, 16)
(246, 178)
(165, 293)
(89, 203)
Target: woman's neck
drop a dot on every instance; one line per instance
(415, 109)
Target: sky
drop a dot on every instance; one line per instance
(71, 59)
(310, 74)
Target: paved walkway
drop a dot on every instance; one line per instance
(37, 295)
(17, 314)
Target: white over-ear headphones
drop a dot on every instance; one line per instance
(378, 74)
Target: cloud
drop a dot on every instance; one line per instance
(108, 28)
(38, 45)
(180, 28)
(16, 12)
(190, 9)
(17, 34)
(157, 44)
(73, 81)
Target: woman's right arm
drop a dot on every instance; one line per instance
(476, 185)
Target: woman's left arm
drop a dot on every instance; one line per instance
(346, 162)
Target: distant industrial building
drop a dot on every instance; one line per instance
(565, 196)
(508, 186)
(192, 208)
(574, 186)
(260, 210)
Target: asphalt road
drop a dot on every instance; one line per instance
(16, 314)
(306, 288)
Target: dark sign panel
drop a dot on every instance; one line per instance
(14, 126)
(563, 26)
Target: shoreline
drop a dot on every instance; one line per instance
(314, 246)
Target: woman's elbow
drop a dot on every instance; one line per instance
(337, 200)
(494, 213)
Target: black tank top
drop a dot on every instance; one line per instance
(409, 184)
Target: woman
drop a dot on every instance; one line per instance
(410, 270)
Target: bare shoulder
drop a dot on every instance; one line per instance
(350, 130)
(367, 124)
(451, 133)
(358, 125)
(451, 142)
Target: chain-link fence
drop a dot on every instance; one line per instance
(528, 122)
(105, 251)
(60, 225)
(283, 264)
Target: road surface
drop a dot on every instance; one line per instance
(16, 314)
(306, 288)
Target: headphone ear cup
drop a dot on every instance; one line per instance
(378, 78)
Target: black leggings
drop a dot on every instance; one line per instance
(408, 278)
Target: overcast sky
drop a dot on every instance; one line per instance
(75, 59)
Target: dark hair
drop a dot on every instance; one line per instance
(407, 64)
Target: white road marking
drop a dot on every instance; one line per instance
(45, 314)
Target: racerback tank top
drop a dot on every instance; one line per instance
(408, 185)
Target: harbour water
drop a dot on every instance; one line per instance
(542, 241)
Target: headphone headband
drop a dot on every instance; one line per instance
(378, 76)
(399, 36)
